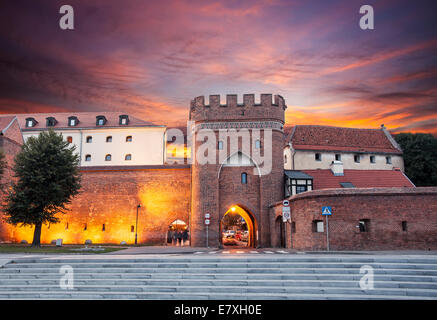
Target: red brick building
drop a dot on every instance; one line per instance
(239, 164)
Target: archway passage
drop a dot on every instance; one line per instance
(238, 228)
(177, 233)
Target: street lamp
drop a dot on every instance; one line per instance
(136, 224)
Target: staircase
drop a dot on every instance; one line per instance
(184, 277)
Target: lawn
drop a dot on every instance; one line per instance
(26, 248)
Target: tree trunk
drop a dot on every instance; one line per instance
(37, 235)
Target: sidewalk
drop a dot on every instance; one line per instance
(161, 250)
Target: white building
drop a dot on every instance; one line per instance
(102, 139)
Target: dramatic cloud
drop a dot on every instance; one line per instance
(152, 57)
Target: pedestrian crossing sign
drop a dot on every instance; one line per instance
(326, 211)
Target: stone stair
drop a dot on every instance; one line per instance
(211, 277)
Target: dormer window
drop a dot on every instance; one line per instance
(73, 121)
(124, 120)
(30, 122)
(100, 120)
(51, 122)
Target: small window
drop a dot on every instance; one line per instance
(103, 227)
(29, 123)
(132, 229)
(388, 160)
(128, 157)
(357, 158)
(124, 119)
(100, 120)
(364, 225)
(51, 122)
(220, 145)
(70, 139)
(72, 121)
(88, 157)
(318, 226)
(285, 158)
(244, 178)
(301, 188)
(129, 139)
(258, 144)
(109, 139)
(66, 226)
(89, 139)
(372, 159)
(404, 226)
(337, 157)
(85, 227)
(108, 157)
(318, 157)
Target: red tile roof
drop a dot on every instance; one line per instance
(324, 179)
(325, 138)
(86, 120)
(5, 121)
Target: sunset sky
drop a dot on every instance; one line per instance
(150, 58)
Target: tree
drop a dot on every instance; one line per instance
(48, 178)
(2, 169)
(420, 157)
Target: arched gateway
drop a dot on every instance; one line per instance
(240, 232)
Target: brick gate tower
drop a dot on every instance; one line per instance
(237, 165)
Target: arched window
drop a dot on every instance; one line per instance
(258, 144)
(109, 139)
(89, 139)
(88, 157)
(108, 157)
(244, 178)
(128, 157)
(220, 145)
(129, 139)
(70, 139)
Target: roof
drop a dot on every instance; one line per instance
(5, 122)
(325, 179)
(295, 174)
(326, 138)
(86, 120)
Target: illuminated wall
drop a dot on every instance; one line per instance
(105, 210)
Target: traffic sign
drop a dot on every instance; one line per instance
(286, 214)
(285, 203)
(207, 221)
(207, 215)
(326, 211)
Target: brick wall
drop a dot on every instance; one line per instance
(111, 197)
(385, 208)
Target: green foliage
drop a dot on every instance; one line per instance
(48, 178)
(420, 157)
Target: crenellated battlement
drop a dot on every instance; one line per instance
(269, 108)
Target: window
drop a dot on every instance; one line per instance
(70, 139)
(124, 119)
(337, 157)
(388, 160)
(88, 157)
(372, 159)
(285, 158)
(244, 178)
(85, 227)
(109, 139)
(72, 121)
(89, 139)
(301, 188)
(364, 225)
(103, 227)
(129, 139)
(258, 144)
(220, 145)
(404, 226)
(100, 120)
(51, 122)
(30, 122)
(318, 157)
(132, 229)
(128, 157)
(66, 226)
(318, 226)
(347, 185)
(108, 157)
(357, 158)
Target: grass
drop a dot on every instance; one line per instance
(26, 248)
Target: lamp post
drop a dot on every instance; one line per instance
(136, 224)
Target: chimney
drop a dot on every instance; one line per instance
(337, 168)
